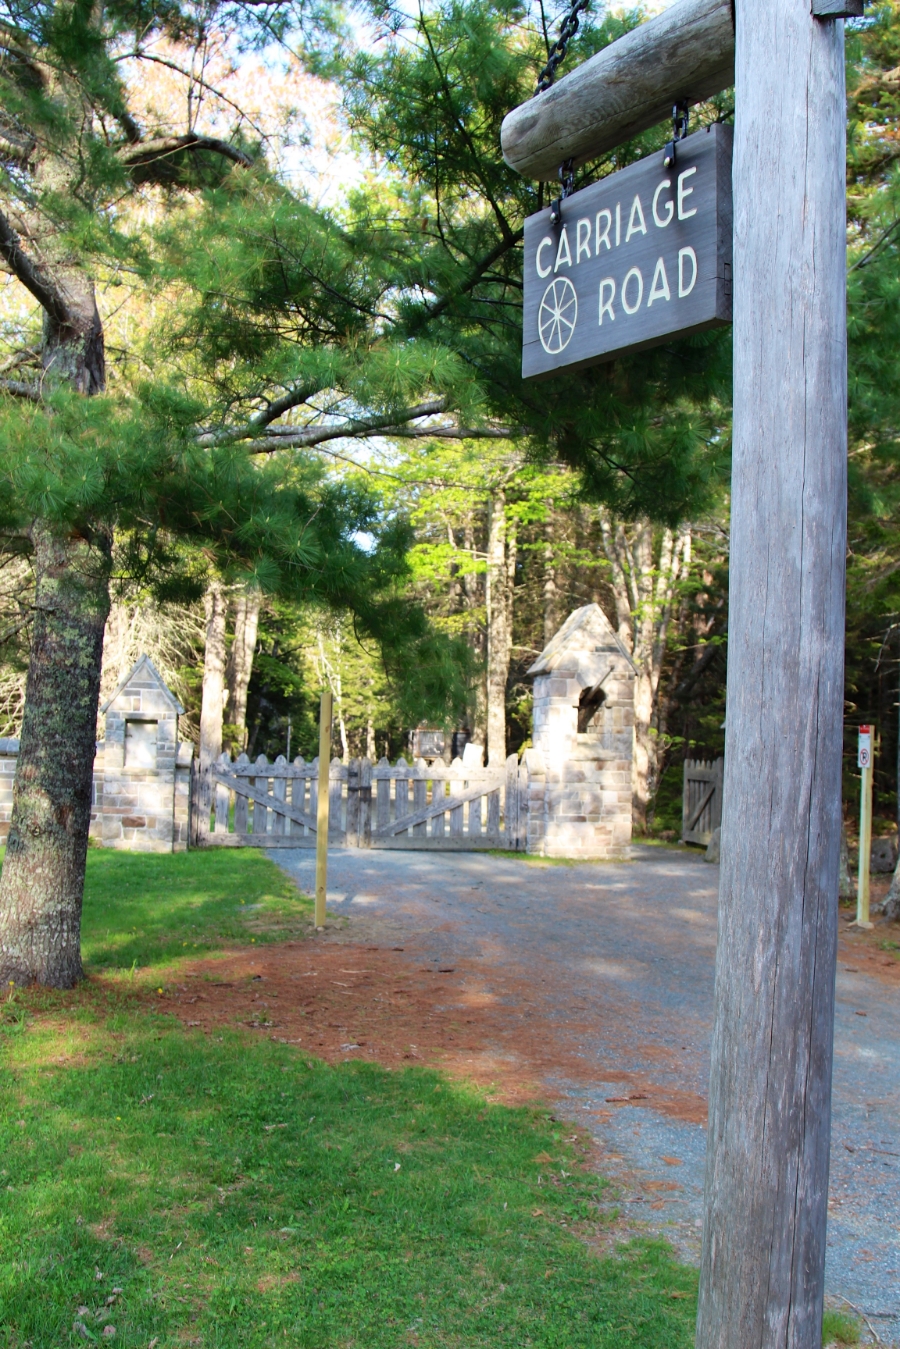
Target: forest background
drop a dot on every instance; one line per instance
(513, 504)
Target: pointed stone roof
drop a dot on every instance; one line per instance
(584, 645)
(145, 668)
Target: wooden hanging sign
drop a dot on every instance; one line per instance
(639, 258)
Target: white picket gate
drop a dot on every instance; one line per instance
(416, 806)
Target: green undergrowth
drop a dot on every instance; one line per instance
(239, 1193)
(147, 909)
(839, 1328)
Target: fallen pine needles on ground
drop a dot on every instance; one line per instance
(163, 1187)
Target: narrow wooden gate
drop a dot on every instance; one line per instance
(414, 806)
(701, 808)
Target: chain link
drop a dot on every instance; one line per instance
(566, 188)
(680, 127)
(557, 53)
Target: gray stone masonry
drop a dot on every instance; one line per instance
(579, 782)
(141, 791)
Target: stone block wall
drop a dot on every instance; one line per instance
(140, 799)
(579, 782)
(142, 809)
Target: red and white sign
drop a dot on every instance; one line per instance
(864, 759)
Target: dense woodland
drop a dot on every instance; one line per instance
(262, 415)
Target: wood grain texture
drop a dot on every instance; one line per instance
(685, 53)
(637, 259)
(762, 1270)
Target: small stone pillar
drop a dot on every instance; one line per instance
(580, 766)
(141, 772)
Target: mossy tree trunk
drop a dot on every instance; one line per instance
(43, 876)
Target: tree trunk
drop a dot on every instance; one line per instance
(474, 591)
(891, 906)
(43, 876)
(646, 568)
(240, 658)
(550, 588)
(213, 699)
(846, 888)
(499, 593)
(42, 885)
(766, 1196)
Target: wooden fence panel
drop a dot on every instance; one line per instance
(415, 805)
(701, 800)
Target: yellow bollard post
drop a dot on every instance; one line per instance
(864, 761)
(325, 711)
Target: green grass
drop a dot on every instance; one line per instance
(839, 1328)
(146, 909)
(241, 1194)
(232, 1191)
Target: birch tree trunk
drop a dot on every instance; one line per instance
(240, 658)
(550, 586)
(213, 696)
(646, 569)
(43, 875)
(499, 594)
(475, 591)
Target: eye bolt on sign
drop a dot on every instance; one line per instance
(642, 256)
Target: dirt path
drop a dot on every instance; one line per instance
(591, 985)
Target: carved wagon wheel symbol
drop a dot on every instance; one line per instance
(557, 315)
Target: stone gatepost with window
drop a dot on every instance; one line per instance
(579, 769)
(142, 773)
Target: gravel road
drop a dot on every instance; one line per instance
(610, 966)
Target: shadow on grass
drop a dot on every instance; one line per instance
(239, 1193)
(143, 909)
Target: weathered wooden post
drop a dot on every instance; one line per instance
(762, 1271)
(322, 804)
(762, 1275)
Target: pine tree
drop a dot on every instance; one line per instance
(256, 311)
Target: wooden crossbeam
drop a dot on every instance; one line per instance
(445, 804)
(686, 53)
(700, 807)
(277, 807)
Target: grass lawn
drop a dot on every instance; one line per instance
(228, 1190)
(147, 909)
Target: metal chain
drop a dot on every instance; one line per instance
(557, 52)
(566, 188)
(680, 118)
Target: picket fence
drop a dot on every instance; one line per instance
(404, 805)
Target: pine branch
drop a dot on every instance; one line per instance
(147, 153)
(194, 79)
(455, 432)
(477, 274)
(32, 277)
(292, 399)
(19, 389)
(287, 437)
